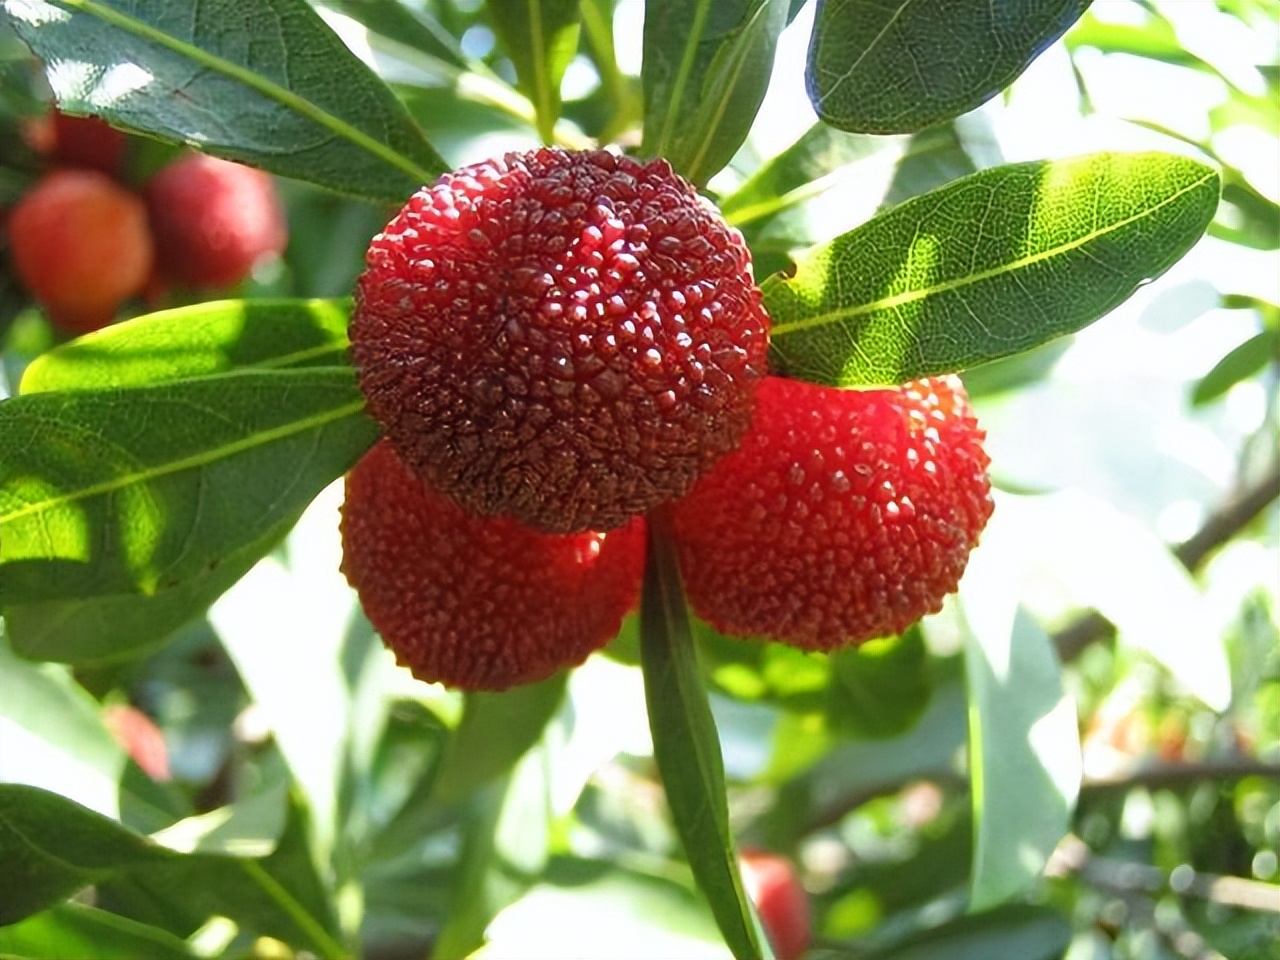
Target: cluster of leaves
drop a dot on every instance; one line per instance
(146, 469)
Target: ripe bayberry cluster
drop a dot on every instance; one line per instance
(83, 242)
(558, 344)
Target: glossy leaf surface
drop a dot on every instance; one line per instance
(985, 267)
(264, 82)
(897, 66)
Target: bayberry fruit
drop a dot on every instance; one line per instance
(80, 244)
(479, 603)
(844, 515)
(771, 884)
(78, 142)
(569, 339)
(214, 221)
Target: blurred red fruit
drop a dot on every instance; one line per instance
(85, 142)
(771, 884)
(140, 738)
(80, 245)
(213, 221)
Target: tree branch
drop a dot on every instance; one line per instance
(1221, 526)
(1161, 776)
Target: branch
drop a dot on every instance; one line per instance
(1162, 776)
(1232, 517)
(1122, 877)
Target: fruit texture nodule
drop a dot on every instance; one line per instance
(566, 338)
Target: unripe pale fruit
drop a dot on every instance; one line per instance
(213, 221)
(771, 884)
(844, 515)
(569, 339)
(80, 245)
(479, 603)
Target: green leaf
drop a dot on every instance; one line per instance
(52, 847)
(1014, 932)
(495, 731)
(396, 21)
(73, 931)
(541, 37)
(687, 748)
(93, 507)
(264, 82)
(897, 67)
(197, 341)
(706, 68)
(985, 267)
(1241, 363)
(1024, 747)
(881, 688)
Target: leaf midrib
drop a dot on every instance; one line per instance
(747, 37)
(260, 84)
(911, 296)
(701, 11)
(201, 459)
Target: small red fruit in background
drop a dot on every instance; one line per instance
(479, 603)
(213, 221)
(141, 739)
(84, 142)
(566, 338)
(80, 245)
(845, 514)
(771, 884)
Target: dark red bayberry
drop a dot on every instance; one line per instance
(80, 245)
(479, 603)
(569, 339)
(844, 515)
(85, 142)
(213, 221)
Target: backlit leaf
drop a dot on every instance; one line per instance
(986, 267)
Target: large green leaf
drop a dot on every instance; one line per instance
(687, 748)
(985, 267)
(881, 688)
(197, 341)
(896, 66)
(706, 69)
(1017, 931)
(541, 37)
(140, 491)
(260, 81)
(73, 931)
(1024, 746)
(52, 847)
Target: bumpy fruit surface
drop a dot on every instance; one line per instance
(479, 603)
(771, 884)
(845, 515)
(81, 246)
(566, 338)
(213, 221)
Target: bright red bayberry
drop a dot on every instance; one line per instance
(772, 885)
(569, 339)
(479, 603)
(81, 246)
(845, 515)
(213, 221)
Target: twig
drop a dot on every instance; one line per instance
(1073, 856)
(1158, 776)
(1221, 526)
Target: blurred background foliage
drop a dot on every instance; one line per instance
(345, 809)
